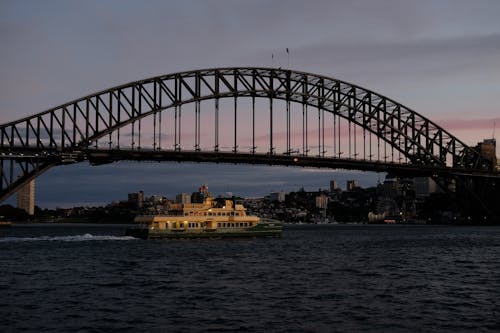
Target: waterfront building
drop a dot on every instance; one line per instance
(322, 201)
(26, 197)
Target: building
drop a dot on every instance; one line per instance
(487, 149)
(183, 198)
(333, 186)
(424, 186)
(277, 196)
(322, 201)
(26, 197)
(352, 185)
(197, 197)
(390, 188)
(156, 199)
(136, 198)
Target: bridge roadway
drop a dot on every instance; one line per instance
(106, 156)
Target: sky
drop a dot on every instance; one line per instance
(440, 58)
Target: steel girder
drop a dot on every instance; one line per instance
(74, 127)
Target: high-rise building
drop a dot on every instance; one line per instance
(352, 184)
(136, 198)
(333, 186)
(487, 149)
(26, 197)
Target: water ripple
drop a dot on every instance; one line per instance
(314, 279)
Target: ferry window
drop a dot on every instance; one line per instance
(218, 214)
(218, 224)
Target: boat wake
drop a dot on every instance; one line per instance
(72, 238)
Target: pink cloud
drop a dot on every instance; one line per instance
(468, 124)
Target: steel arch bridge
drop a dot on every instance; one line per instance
(287, 117)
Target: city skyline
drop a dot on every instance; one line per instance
(78, 186)
(440, 58)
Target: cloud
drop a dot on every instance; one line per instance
(468, 124)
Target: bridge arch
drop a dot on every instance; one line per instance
(68, 133)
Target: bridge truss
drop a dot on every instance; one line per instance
(240, 115)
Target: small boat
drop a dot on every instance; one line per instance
(213, 218)
(5, 224)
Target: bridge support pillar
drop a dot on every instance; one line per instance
(26, 197)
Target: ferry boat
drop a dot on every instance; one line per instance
(213, 218)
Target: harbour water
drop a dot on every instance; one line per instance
(319, 278)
